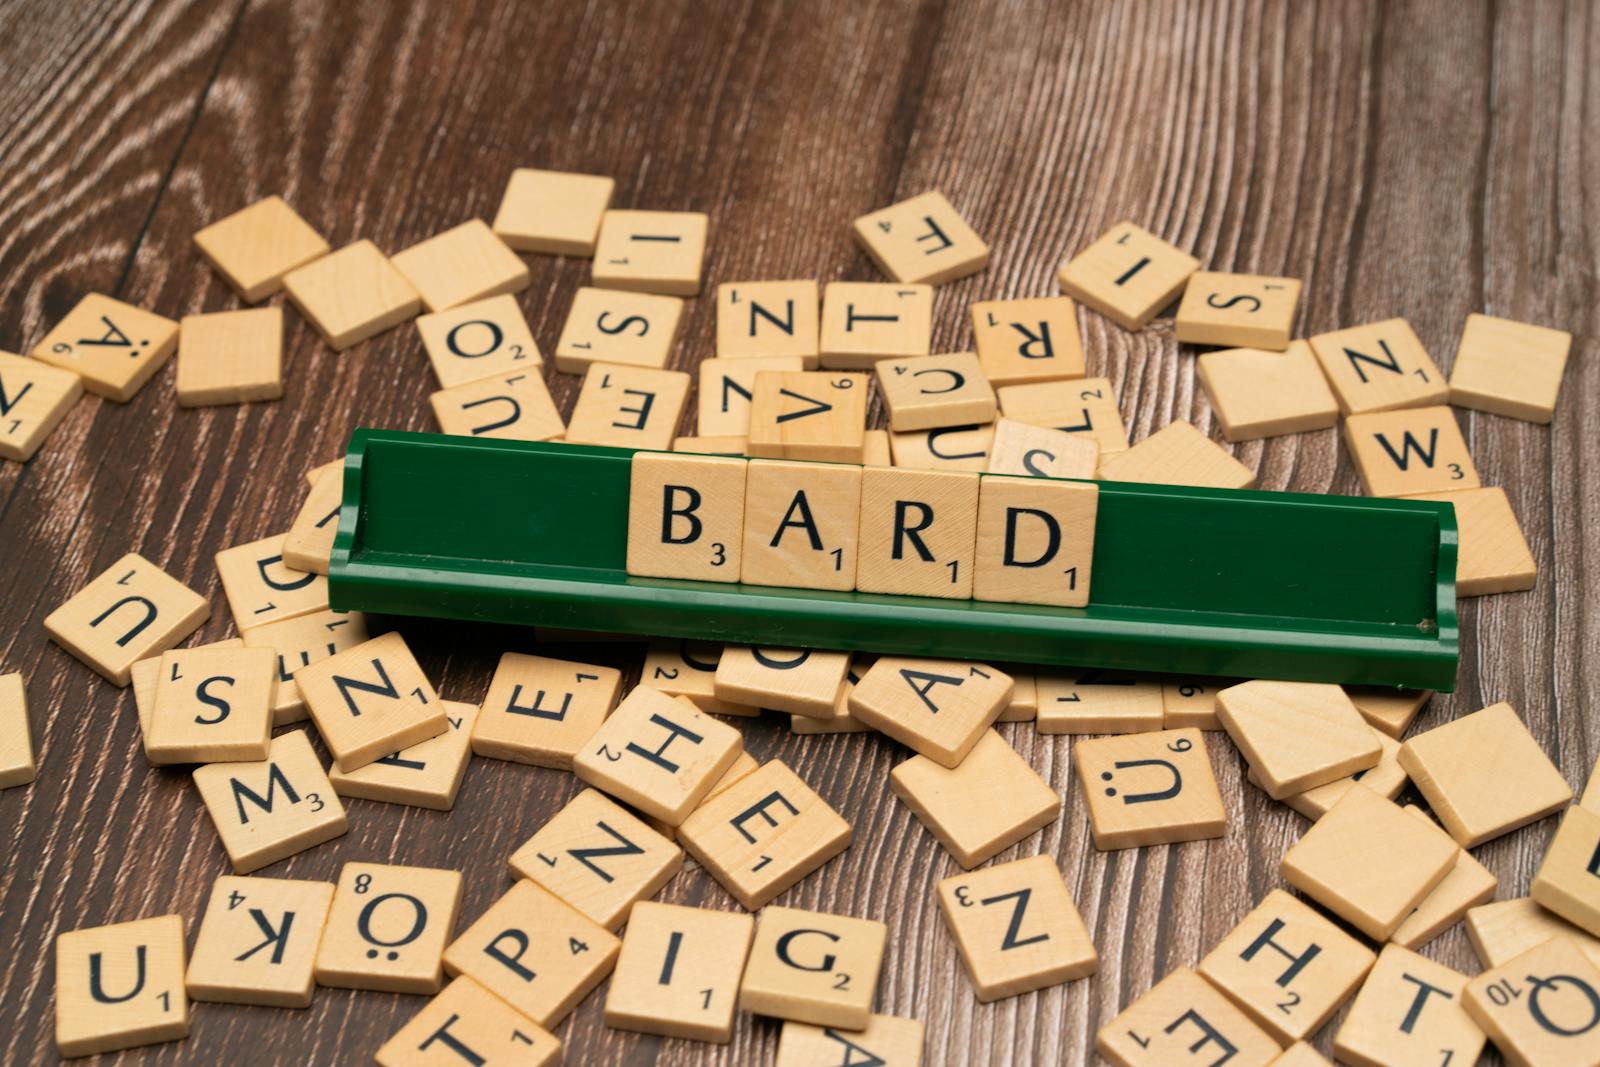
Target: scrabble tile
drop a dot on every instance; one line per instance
(300, 642)
(1087, 407)
(768, 319)
(1287, 967)
(131, 611)
(610, 326)
(230, 357)
(1128, 275)
(1178, 454)
(1509, 368)
(370, 700)
(351, 295)
(1368, 862)
(598, 858)
(918, 532)
(34, 398)
(542, 711)
(535, 952)
(1504, 929)
(1388, 710)
(1191, 702)
(725, 391)
(145, 675)
(212, 705)
(813, 967)
(1297, 735)
(763, 834)
(875, 449)
(1149, 789)
(254, 247)
(1417, 450)
(1379, 367)
(553, 211)
(1385, 778)
(1022, 341)
(938, 708)
(950, 448)
(651, 251)
(686, 516)
(258, 941)
(1097, 702)
(801, 525)
(515, 407)
(887, 1040)
(1484, 775)
(1493, 556)
(267, 811)
(424, 775)
(463, 264)
(483, 339)
(308, 546)
(262, 588)
(801, 681)
(1568, 882)
(1024, 703)
(678, 972)
(809, 415)
(1237, 309)
(17, 763)
(658, 754)
(921, 240)
(1300, 1054)
(1035, 541)
(113, 347)
(982, 807)
(1039, 452)
(929, 392)
(683, 667)
(468, 1024)
(1408, 1012)
(1542, 1008)
(841, 721)
(628, 407)
(1591, 790)
(120, 986)
(387, 928)
(1468, 885)
(735, 445)
(1184, 1020)
(1017, 928)
(322, 468)
(863, 322)
(1257, 393)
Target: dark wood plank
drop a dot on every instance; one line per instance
(1419, 159)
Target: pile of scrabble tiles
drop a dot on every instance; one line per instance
(666, 771)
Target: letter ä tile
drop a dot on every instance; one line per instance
(1183, 1019)
(813, 967)
(258, 941)
(468, 1023)
(132, 611)
(120, 986)
(387, 928)
(114, 347)
(267, 811)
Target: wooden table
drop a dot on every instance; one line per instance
(1424, 160)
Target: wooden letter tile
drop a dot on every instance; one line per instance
(262, 588)
(463, 264)
(387, 928)
(1568, 882)
(887, 1040)
(308, 546)
(132, 611)
(1149, 789)
(483, 339)
(1237, 309)
(34, 398)
(610, 326)
(534, 952)
(120, 986)
(1417, 450)
(688, 668)
(1035, 541)
(678, 972)
(841, 721)
(801, 525)
(371, 700)
(813, 967)
(1542, 1008)
(1179, 454)
(938, 708)
(1128, 275)
(1297, 735)
(230, 357)
(764, 833)
(1507, 928)
(542, 711)
(1288, 967)
(921, 240)
(809, 415)
(1087, 407)
(1379, 367)
(726, 387)
(628, 407)
(257, 245)
(1386, 778)
(1591, 790)
(801, 681)
(1184, 1022)
(1468, 885)
(1021, 341)
(258, 941)
(732, 445)
(1510, 368)
(212, 705)
(1017, 928)
(1493, 556)
(1301, 1054)
(1388, 710)
(17, 763)
(928, 392)
(1368, 862)
(1409, 1011)
(270, 810)
(651, 251)
(1038, 452)
(516, 407)
(863, 322)
(686, 516)
(114, 347)
(918, 532)
(982, 807)
(1098, 702)
(553, 211)
(1484, 775)
(146, 674)
(1024, 703)
(300, 642)
(1191, 702)
(768, 319)
(1257, 393)
(468, 1024)
(352, 295)
(425, 775)
(950, 448)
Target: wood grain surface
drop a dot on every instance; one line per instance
(1417, 159)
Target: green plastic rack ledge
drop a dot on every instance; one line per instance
(1214, 582)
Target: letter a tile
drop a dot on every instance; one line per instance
(120, 986)
(686, 516)
(387, 928)
(938, 708)
(269, 810)
(133, 611)
(1184, 1022)
(258, 941)
(887, 1041)
(1149, 789)
(468, 1024)
(1017, 928)
(801, 525)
